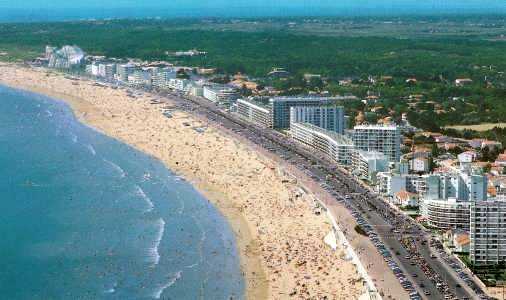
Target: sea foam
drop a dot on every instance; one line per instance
(91, 149)
(153, 256)
(172, 280)
(140, 192)
(118, 169)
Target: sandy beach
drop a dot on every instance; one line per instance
(280, 239)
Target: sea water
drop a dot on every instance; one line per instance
(83, 216)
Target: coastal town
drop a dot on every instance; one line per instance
(442, 197)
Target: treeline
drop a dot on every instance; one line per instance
(256, 53)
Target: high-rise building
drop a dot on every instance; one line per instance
(382, 138)
(255, 112)
(328, 117)
(488, 232)
(124, 70)
(336, 146)
(279, 109)
(107, 70)
(449, 196)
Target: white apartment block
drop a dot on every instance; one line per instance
(367, 164)
(488, 232)
(107, 70)
(125, 70)
(446, 214)
(448, 197)
(381, 138)
(389, 184)
(255, 112)
(220, 94)
(336, 146)
(180, 84)
(328, 117)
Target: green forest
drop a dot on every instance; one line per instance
(435, 62)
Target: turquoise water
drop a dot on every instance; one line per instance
(83, 216)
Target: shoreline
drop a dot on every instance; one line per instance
(256, 237)
(255, 287)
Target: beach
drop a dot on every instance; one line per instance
(280, 238)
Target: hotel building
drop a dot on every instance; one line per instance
(336, 146)
(125, 70)
(449, 196)
(220, 94)
(255, 112)
(328, 117)
(279, 109)
(488, 232)
(381, 138)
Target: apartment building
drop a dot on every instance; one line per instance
(446, 214)
(381, 138)
(367, 164)
(255, 112)
(279, 111)
(125, 70)
(488, 232)
(106, 70)
(220, 94)
(336, 146)
(328, 117)
(389, 184)
(280, 107)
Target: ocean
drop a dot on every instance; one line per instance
(62, 10)
(84, 216)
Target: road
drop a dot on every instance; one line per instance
(431, 278)
(398, 238)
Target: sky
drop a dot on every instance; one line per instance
(239, 8)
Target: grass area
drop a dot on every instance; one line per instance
(489, 275)
(478, 127)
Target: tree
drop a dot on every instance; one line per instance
(181, 74)
(434, 150)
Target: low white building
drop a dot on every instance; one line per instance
(220, 94)
(180, 84)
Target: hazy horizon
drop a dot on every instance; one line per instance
(41, 10)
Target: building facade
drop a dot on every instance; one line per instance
(280, 107)
(381, 138)
(220, 94)
(367, 164)
(255, 112)
(328, 117)
(446, 214)
(125, 70)
(336, 146)
(488, 232)
(279, 110)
